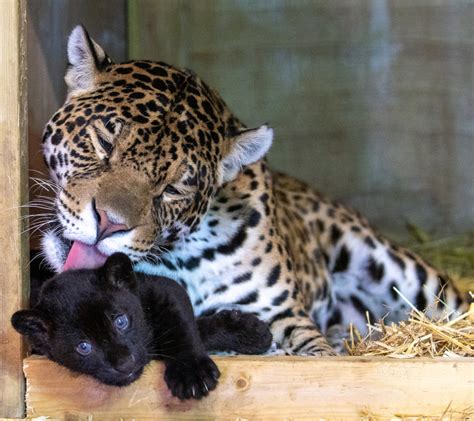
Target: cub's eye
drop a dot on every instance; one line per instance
(84, 348)
(121, 322)
(171, 190)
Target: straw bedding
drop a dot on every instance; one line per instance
(420, 336)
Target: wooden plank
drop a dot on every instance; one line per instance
(13, 188)
(262, 388)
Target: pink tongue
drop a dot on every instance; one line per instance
(83, 256)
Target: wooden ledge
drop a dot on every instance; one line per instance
(263, 388)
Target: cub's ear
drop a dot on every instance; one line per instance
(119, 271)
(86, 60)
(34, 326)
(247, 147)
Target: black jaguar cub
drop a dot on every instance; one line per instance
(110, 322)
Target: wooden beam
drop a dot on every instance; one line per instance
(13, 188)
(263, 388)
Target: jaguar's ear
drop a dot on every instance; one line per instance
(119, 271)
(35, 326)
(247, 147)
(86, 60)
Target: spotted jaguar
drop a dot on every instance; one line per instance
(148, 160)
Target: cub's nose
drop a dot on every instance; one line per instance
(125, 364)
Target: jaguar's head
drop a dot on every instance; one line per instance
(138, 151)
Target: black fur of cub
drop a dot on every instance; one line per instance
(109, 323)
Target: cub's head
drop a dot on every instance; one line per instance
(91, 321)
(137, 151)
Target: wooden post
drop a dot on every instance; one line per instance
(13, 193)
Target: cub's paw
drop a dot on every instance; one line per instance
(192, 377)
(249, 335)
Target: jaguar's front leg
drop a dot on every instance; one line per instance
(297, 334)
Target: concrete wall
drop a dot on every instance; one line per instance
(372, 101)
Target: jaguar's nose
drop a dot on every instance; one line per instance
(107, 225)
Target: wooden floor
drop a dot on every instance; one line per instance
(264, 388)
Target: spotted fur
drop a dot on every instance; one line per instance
(160, 153)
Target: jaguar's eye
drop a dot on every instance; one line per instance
(107, 146)
(84, 348)
(121, 322)
(171, 190)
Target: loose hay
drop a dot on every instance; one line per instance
(449, 414)
(419, 336)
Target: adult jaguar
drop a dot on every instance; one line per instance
(149, 161)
